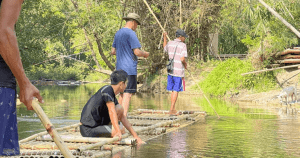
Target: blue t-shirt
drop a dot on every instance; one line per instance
(125, 41)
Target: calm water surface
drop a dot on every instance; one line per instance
(240, 132)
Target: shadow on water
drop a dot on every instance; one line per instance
(240, 132)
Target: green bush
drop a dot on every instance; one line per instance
(57, 72)
(227, 77)
(96, 76)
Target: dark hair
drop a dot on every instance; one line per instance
(118, 76)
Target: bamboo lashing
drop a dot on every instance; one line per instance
(155, 18)
(203, 94)
(87, 147)
(50, 129)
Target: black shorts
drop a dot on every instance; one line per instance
(131, 84)
(100, 131)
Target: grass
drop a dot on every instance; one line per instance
(226, 78)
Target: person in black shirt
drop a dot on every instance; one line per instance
(100, 115)
(11, 72)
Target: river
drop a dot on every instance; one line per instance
(241, 131)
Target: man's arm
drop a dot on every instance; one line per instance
(183, 61)
(165, 39)
(9, 50)
(128, 126)
(114, 118)
(141, 53)
(113, 51)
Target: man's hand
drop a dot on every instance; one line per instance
(165, 34)
(139, 140)
(119, 134)
(146, 54)
(27, 92)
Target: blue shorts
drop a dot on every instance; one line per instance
(131, 84)
(174, 83)
(9, 141)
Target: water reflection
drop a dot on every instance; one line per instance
(65, 103)
(241, 131)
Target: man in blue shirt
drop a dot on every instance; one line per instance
(126, 47)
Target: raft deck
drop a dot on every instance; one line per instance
(148, 124)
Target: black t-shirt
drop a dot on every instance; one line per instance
(95, 112)
(7, 79)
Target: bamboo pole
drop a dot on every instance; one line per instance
(162, 35)
(254, 72)
(44, 133)
(155, 18)
(180, 14)
(280, 18)
(91, 146)
(51, 129)
(72, 139)
(28, 153)
(204, 94)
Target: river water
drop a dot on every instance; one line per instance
(241, 131)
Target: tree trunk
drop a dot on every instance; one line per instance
(92, 49)
(98, 40)
(86, 37)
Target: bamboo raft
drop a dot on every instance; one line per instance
(148, 124)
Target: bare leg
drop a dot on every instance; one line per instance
(125, 102)
(120, 112)
(174, 96)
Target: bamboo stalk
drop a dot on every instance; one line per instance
(180, 14)
(47, 146)
(162, 35)
(280, 18)
(150, 118)
(167, 112)
(72, 139)
(44, 133)
(51, 129)
(254, 72)
(155, 18)
(204, 94)
(48, 152)
(87, 147)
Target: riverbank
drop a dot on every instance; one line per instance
(199, 72)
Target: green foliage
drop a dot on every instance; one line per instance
(57, 72)
(95, 76)
(227, 77)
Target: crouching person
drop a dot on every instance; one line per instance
(100, 115)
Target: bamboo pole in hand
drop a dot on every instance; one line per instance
(203, 94)
(51, 130)
(155, 18)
